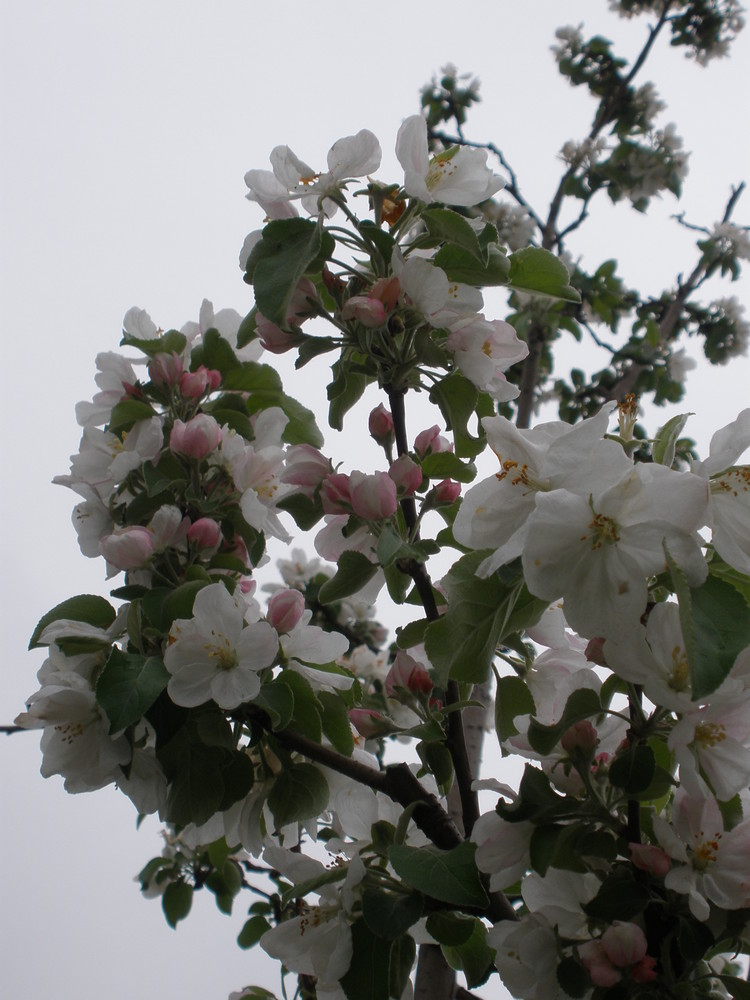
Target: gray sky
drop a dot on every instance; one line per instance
(127, 129)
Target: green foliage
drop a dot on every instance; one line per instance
(128, 686)
(450, 876)
(88, 608)
(299, 793)
(353, 572)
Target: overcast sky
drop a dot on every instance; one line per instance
(126, 131)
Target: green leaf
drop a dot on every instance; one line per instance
(633, 769)
(345, 389)
(335, 874)
(163, 606)
(449, 928)
(666, 439)
(335, 722)
(537, 800)
(307, 708)
(720, 630)
(128, 412)
(620, 897)
(193, 770)
(368, 977)
(87, 608)
(461, 265)
(573, 978)
(214, 351)
(459, 400)
(128, 686)
(306, 512)
(353, 572)
(474, 957)
(170, 341)
(299, 793)
(512, 698)
(411, 634)
(436, 757)
(450, 876)
(301, 429)
(462, 643)
(390, 914)
(446, 465)
(540, 272)
(740, 581)
(282, 256)
(176, 902)
(252, 931)
(312, 347)
(277, 700)
(450, 227)
(581, 704)
(403, 954)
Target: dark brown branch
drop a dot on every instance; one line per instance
(9, 730)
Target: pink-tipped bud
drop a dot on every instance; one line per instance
(446, 492)
(197, 438)
(408, 675)
(388, 290)
(285, 609)
(305, 468)
(597, 964)
(369, 312)
(205, 533)
(430, 441)
(624, 943)
(369, 723)
(165, 369)
(128, 548)
(380, 425)
(650, 858)
(373, 497)
(580, 738)
(406, 474)
(335, 493)
(195, 384)
(273, 338)
(645, 970)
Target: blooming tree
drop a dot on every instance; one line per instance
(593, 612)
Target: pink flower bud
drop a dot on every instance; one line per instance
(406, 474)
(285, 609)
(380, 425)
(645, 970)
(197, 438)
(205, 533)
(597, 964)
(128, 548)
(581, 738)
(430, 441)
(273, 338)
(165, 369)
(373, 497)
(335, 494)
(624, 943)
(369, 723)
(195, 384)
(306, 468)
(369, 312)
(407, 674)
(650, 858)
(446, 492)
(388, 290)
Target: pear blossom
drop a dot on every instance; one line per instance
(554, 455)
(105, 459)
(292, 179)
(215, 654)
(598, 552)
(483, 350)
(458, 176)
(714, 741)
(309, 648)
(116, 380)
(729, 497)
(711, 861)
(258, 474)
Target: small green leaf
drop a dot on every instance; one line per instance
(128, 686)
(620, 897)
(128, 412)
(738, 988)
(353, 572)
(335, 722)
(459, 400)
(512, 698)
(540, 272)
(299, 793)
(666, 439)
(368, 977)
(449, 928)
(474, 957)
(252, 931)
(176, 902)
(87, 608)
(573, 978)
(446, 225)
(403, 954)
(720, 626)
(633, 769)
(446, 465)
(390, 914)
(282, 256)
(450, 876)
(411, 634)
(461, 265)
(170, 341)
(277, 700)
